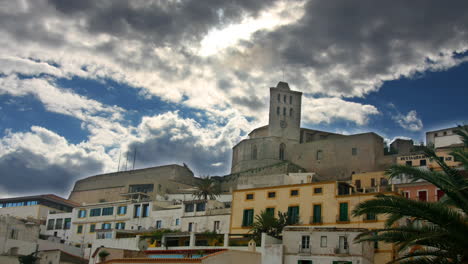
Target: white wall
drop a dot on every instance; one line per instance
(206, 223)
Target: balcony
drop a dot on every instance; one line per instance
(341, 251)
(314, 221)
(304, 250)
(342, 219)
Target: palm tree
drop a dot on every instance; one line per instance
(266, 222)
(437, 232)
(207, 187)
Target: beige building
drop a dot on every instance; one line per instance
(443, 138)
(18, 236)
(151, 181)
(206, 216)
(56, 256)
(329, 155)
(320, 204)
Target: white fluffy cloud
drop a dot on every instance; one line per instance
(410, 121)
(327, 110)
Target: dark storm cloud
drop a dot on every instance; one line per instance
(159, 21)
(363, 38)
(25, 172)
(251, 102)
(162, 151)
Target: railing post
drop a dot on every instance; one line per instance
(226, 240)
(192, 239)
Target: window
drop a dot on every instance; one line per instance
(343, 217)
(441, 158)
(108, 211)
(271, 194)
(137, 211)
(279, 98)
(284, 98)
(319, 155)
(291, 112)
(448, 158)
(406, 194)
(278, 110)
(305, 242)
(284, 111)
(106, 226)
(281, 151)
(67, 223)
(249, 196)
(422, 195)
(372, 182)
(120, 225)
(189, 208)
(358, 184)
(50, 224)
(201, 207)
(143, 188)
(79, 229)
(323, 241)
(270, 211)
(145, 210)
(294, 193)
(14, 234)
(318, 190)
(158, 224)
(92, 228)
(440, 193)
(445, 133)
(95, 212)
(248, 217)
(59, 223)
(190, 227)
(409, 163)
(122, 210)
(293, 215)
(216, 226)
(290, 99)
(383, 182)
(254, 152)
(301, 261)
(81, 213)
(317, 214)
(371, 217)
(343, 242)
(177, 221)
(354, 151)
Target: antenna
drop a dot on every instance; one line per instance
(282, 70)
(126, 160)
(134, 158)
(118, 166)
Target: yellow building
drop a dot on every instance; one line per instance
(419, 159)
(321, 204)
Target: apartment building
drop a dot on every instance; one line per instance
(321, 204)
(206, 216)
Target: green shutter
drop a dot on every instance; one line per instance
(270, 211)
(344, 212)
(317, 213)
(293, 214)
(247, 219)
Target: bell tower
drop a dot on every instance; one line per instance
(285, 112)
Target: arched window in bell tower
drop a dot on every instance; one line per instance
(284, 99)
(254, 152)
(284, 111)
(281, 151)
(278, 110)
(279, 98)
(291, 112)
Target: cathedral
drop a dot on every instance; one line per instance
(329, 155)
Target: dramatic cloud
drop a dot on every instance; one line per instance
(327, 110)
(410, 121)
(217, 59)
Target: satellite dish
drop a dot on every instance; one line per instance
(143, 245)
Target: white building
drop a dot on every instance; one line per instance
(443, 138)
(58, 225)
(325, 245)
(18, 236)
(206, 216)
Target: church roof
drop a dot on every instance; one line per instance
(283, 85)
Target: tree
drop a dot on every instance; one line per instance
(437, 232)
(207, 187)
(266, 222)
(28, 259)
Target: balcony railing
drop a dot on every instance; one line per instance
(341, 251)
(305, 249)
(314, 220)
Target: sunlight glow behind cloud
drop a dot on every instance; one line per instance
(281, 14)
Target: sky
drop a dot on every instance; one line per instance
(86, 84)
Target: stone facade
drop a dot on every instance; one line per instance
(153, 181)
(331, 156)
